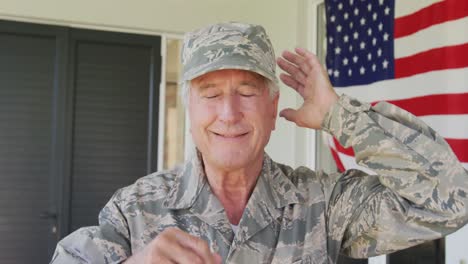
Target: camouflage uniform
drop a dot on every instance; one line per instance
(298, 215)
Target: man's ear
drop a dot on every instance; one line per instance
(275, 109)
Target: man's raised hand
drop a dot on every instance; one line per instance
(305, 75)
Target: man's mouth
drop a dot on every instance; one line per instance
(229, 135)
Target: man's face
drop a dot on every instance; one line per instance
(231, 116)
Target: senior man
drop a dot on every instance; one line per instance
(231, 203)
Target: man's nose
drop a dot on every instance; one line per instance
(230, 111)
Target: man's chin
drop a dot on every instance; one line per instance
(230, 161)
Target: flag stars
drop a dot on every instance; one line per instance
(363, 21)
(337, 50)
(387, 10)
(362, 37)
(346, 38)
(362, 70)
(336, 73)
(356, 11)
(362, 45)
(345, 61)
(385, 64)
(385, 36)
(356, 35)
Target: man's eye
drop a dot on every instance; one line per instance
(247, 91)
(211, 96)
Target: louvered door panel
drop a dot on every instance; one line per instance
(110, 130)
(26, 96)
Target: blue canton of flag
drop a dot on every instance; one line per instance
(359, 41)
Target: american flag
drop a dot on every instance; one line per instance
(413, 54)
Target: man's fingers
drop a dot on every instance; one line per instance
(289, 114)
(165, 261)
(218, 259)
(180, 254)
(197, 245)
(291, 82)
(292, 70)
(301, 61)
(178, 246)
(307, 54)
(311, 59)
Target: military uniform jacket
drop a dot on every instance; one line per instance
(419, 193)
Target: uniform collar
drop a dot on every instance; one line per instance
(188, 184)
(272, 192)
(273, 185)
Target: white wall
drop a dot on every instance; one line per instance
(280, 18)
(456, 247)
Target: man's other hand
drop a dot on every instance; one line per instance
(175, 246)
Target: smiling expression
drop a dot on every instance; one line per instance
(231, 115)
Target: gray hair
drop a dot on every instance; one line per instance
(185, 89)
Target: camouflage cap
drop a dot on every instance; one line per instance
(228, 46)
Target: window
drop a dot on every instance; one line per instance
(174, 129)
